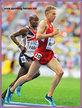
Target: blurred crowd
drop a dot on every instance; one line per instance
(67, 46)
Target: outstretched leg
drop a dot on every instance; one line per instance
(32, 71)
(26, 67)
(25, 78)
(22, 72)
(56, 67)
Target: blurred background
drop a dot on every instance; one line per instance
(67, 46)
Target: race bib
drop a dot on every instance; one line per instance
(32, 45)
(38, 56)
(50, 43)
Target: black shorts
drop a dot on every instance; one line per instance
(24, 58)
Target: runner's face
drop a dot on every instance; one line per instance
(51, 15)
(34, 22)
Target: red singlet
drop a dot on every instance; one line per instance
(44, 52)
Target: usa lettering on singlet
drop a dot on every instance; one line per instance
(30, 42)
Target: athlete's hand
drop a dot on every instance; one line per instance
(56, 31)
(23, 49)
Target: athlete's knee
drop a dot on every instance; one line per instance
(60, 73)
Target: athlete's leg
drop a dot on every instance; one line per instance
(22, 72)
(32, 71)
(27, 64)
(36, 74)
(56, 67)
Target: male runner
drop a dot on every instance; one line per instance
(29, 44)
(43, 55)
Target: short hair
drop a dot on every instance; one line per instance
(33, 17)
(48, 8)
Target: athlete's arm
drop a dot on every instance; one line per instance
(42, 29)
(22, 32)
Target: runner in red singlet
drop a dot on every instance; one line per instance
(44, 54)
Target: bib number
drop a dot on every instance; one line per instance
(50, 43)
(32, 45)
(38, 56)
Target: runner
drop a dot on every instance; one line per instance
(28, 46)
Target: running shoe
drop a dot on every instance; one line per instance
(3, 101)
(9, 95)
(17, 91)
(50, 100)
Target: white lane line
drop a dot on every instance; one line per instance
(23, 104)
